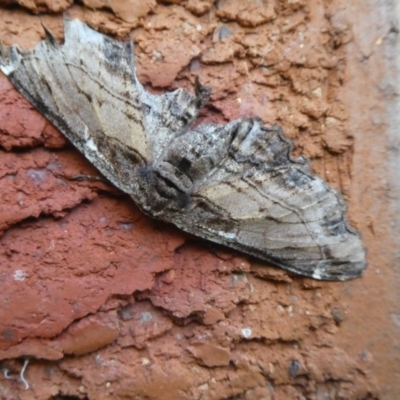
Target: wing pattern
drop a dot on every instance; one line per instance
(234, 184)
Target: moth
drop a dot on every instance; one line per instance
(235, 184)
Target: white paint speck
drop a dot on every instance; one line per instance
(145, 361)
(82, 389)
(246, 333)
(19, 275)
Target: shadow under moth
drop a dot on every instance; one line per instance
(234, 184)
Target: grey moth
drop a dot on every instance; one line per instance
(234, 184)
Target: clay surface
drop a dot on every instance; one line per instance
(109, 304)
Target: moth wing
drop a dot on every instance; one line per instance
(87, 87)
(260, 201)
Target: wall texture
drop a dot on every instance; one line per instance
(108, 304)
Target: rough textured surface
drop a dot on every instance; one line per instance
(151, 312)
